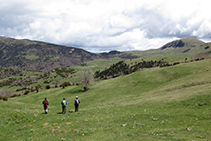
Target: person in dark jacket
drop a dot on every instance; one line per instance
(64, 104)
(76, 103)
(45, 105)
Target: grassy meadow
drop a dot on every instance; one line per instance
(171, 103)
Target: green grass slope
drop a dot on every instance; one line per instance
(193, 48)
(192, 42)
(172, 103)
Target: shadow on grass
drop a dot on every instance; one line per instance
(62, 113)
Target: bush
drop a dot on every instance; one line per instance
(32, 89)
(66, 84)
(26, 92)
(21, 89)
(46, 82)
(37, 88)
(5, 99)
(176, 63)
(15, 95)
(48, 87)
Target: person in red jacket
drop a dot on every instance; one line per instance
(45, 105)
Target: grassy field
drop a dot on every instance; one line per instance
(172, 103)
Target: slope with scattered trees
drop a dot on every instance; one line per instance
(121, 68)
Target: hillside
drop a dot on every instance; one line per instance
(40, 56)
(185, 42)
(186, 48)
(171, 103)
(49, 58)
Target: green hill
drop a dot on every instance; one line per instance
(185, 42)
(171, 103)
(192, 42)
(189, 48)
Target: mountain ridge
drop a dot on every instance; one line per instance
(41, 56)
(32, 55)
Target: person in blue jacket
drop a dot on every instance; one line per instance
(64, 104)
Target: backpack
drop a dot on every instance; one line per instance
(77, 101)
(63, 103)
(45, 102)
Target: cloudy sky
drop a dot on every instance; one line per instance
(104, 25)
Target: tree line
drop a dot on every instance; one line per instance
(121, 68)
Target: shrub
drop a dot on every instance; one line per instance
(66, 84)
(26, 92)
(37, 88)
(48, 87)
(5, 99)
(14, 95)
(176, 63)
(32, 89)
(46, 82)
(20, 89)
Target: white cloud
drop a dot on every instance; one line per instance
(204, 30)
(103, 25)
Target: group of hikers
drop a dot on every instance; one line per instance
(63, 103)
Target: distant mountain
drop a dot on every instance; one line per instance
(186, 48)
(41, 56)
(185, 42)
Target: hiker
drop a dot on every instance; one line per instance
(64, 104)
(45, 105)
(76, 103)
